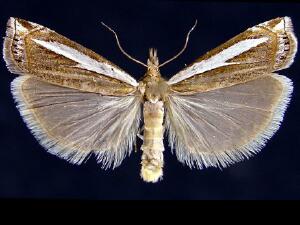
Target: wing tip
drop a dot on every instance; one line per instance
(286, 41)
(289, 28)
(288, 25)
(8, 55)
(8, 40)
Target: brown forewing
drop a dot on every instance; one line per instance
(275, 54)
(24, 56)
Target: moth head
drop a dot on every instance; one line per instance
(153, 59)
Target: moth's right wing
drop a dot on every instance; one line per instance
(72, 124)
(74, 101)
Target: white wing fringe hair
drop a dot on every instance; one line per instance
(80, 119)
(198, 140)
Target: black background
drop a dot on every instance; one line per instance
(27, 171)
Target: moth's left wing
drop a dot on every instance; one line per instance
(224, 106)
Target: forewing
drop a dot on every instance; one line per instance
(72, 124)
(223, 126)
(31, 49)
(262, 49)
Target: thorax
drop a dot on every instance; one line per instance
(153, 87)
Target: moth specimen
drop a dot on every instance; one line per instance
(219, 110)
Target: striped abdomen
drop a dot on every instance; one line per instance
(152, 158)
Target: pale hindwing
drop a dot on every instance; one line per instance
(223, 126)
(72, 124)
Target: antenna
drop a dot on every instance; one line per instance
(184, 47)
(120, 47)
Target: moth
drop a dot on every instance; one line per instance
(218, 110)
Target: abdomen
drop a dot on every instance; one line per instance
(153, 147)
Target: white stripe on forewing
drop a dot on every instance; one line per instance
(19, 27)
(279, 26)
(217, 60)
(85, 62)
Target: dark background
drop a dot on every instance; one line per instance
(28, 171)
